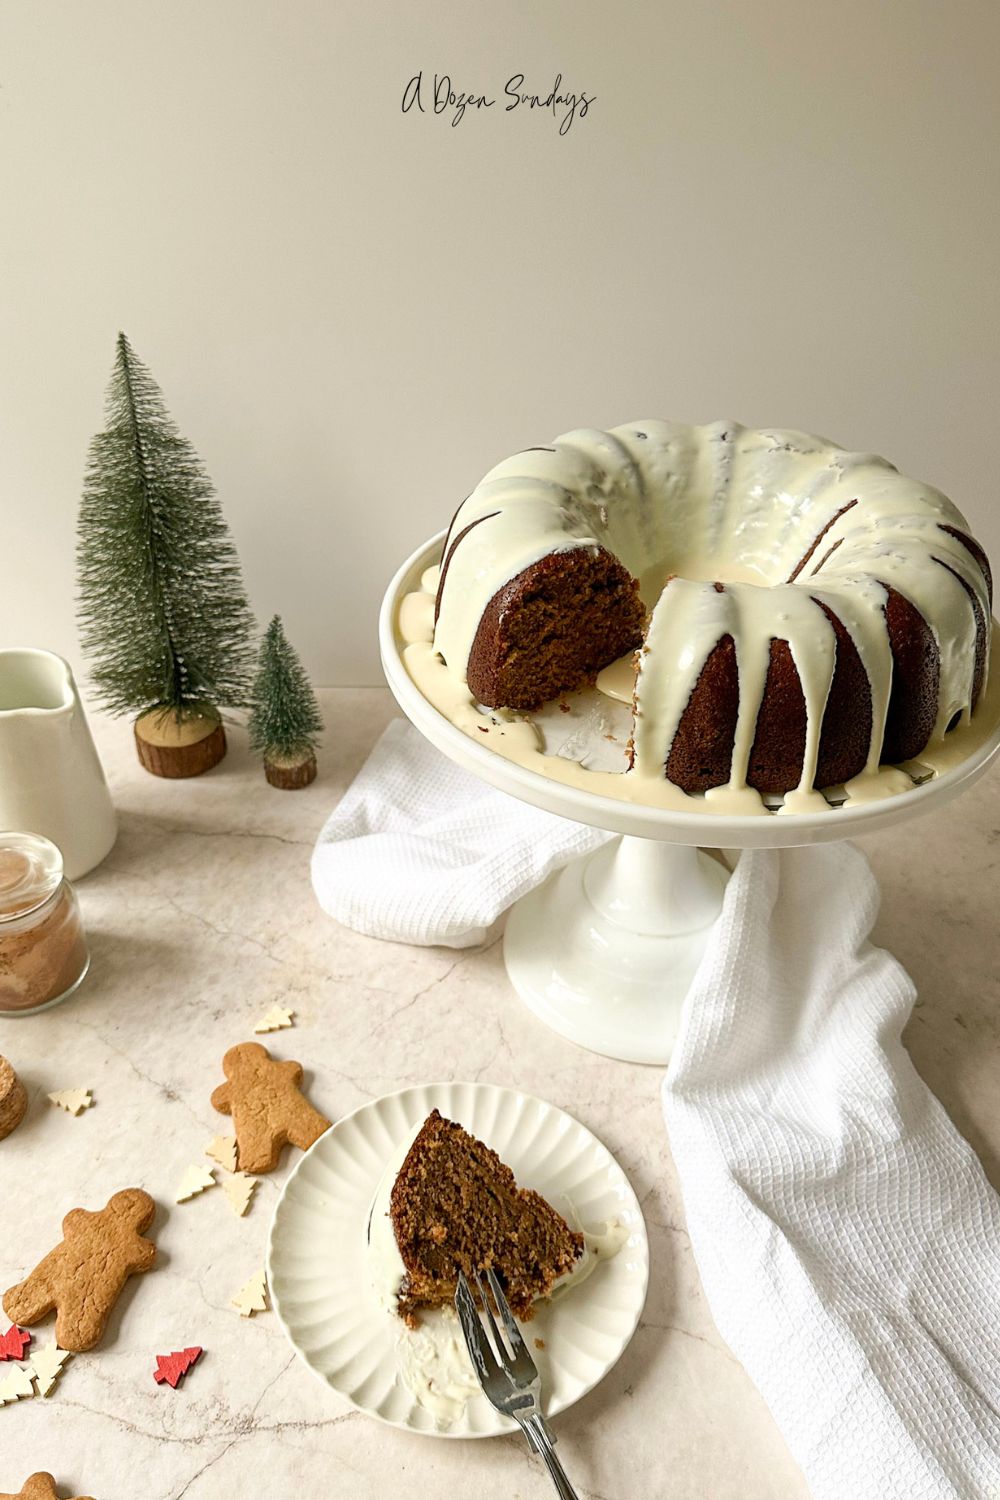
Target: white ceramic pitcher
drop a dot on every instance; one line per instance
(51, 781)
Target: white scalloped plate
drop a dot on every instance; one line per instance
(319, 1278)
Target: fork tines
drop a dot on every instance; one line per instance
(505, 1368)
(518, 1347)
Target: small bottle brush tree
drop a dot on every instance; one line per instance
(163, 613)
(285, 719)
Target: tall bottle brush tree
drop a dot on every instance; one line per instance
(163, 612)
(285, 719)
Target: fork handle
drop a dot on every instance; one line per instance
(541, 1439)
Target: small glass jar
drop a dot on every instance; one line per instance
(43, 951)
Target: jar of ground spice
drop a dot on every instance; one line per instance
(43, 951)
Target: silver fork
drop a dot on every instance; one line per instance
(508, 1375)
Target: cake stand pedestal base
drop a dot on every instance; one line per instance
(605, 951)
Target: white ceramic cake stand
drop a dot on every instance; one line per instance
(605, 951)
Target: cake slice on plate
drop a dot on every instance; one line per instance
(455, 1206)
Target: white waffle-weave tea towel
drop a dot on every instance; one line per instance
(419, 851)
(846, 1235)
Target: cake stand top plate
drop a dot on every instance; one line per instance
(710, 830)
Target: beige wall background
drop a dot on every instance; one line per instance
(782, 211)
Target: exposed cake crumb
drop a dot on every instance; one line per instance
(552, 628)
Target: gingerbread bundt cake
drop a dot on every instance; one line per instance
(800, 614)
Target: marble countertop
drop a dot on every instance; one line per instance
(200, 920)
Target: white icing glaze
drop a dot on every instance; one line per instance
(516, 738)
(416, 616)
(780, 518)
(618, 680)
(602, 1242)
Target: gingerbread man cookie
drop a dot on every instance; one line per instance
(82, 1278)
(13, 1099)
(267, 1109)
(39, 1486)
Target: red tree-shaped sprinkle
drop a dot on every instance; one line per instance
(171, 1367)
(13, 1343)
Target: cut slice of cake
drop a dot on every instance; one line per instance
(456, 1206)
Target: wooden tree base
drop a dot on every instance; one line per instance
(291, 777)
(175, 748)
